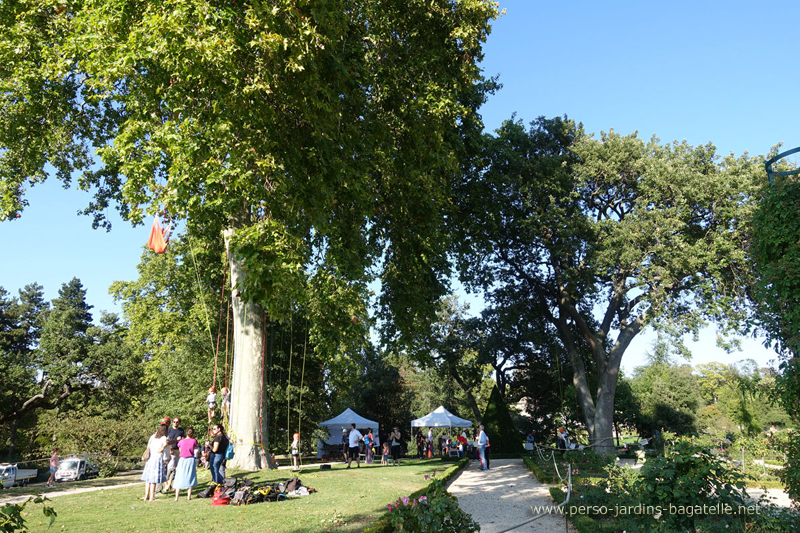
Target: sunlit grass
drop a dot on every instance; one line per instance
(347, 500)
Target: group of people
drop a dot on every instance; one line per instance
(172, 456)
(445, 444)
(392, 450)
(353, 440)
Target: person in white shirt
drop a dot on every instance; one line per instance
(483, 441)
(355, 438)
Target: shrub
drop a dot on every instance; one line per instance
(499, 426)
(790, 475)
(588, 459)
(685, 477)
(435, 511)
(11, 519)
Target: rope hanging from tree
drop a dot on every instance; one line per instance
(302, 382)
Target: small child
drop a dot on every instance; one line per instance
(385, 458)
(296, 452)
(225, 404)
(211, 399)
(205, 452)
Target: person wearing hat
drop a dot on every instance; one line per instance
(174, 434)
(211, 400)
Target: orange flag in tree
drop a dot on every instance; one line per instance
(157, 241)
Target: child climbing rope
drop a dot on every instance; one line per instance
(225, 404)
(211, 400)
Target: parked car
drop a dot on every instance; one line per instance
(76, 468)
(11, 476)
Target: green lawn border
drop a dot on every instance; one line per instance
(382, 525)
(538, 472)
(582, 522)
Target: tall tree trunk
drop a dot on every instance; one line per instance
(246, 426)
(55, 425)
(468, 392)
(603, 440)
(12, 441)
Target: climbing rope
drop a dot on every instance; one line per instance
(302, 382)
(200, 290)
(289, 383)
(219, 328)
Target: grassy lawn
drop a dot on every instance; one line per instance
(347, 500)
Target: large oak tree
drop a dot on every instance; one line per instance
(604, 237)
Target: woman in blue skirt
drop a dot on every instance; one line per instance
(155, 470)
(186, 474)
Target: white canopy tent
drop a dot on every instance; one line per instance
(440, 418)
(336, 424)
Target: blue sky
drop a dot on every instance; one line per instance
(719, 72)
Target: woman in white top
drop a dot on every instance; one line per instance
(155, 469)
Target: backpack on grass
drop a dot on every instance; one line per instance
(208, 492)
(293, 484)
(221, 497)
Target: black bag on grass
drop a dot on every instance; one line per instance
(208, 492)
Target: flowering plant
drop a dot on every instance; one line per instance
(436, 510)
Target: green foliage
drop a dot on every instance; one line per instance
(452, 351)
(499, 426)
(436, 510)
(588, 459)
(669, 397)
(55, 357)
(537, 470)
(11, 514)
(686, 476)
(83, 432)
(790, 474)
(604, 237)
(379, 392)
(528, 362)
(776, 254)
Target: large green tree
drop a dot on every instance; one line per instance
(65, 361)
(605, 237)
(776, 253)
(315, 136)
(21, 322)
(669, 397)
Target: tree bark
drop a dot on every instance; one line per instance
(12, 441)
(246, 427)
(468, 392)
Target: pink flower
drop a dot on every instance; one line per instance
(427, 477)
(405, 500)
(423, 498)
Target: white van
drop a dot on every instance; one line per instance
(75, 468)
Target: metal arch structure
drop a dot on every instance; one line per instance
(768, 165)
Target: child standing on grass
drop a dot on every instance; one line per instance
(385, 458)
(296, 452)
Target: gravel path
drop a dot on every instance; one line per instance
(502, 497)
